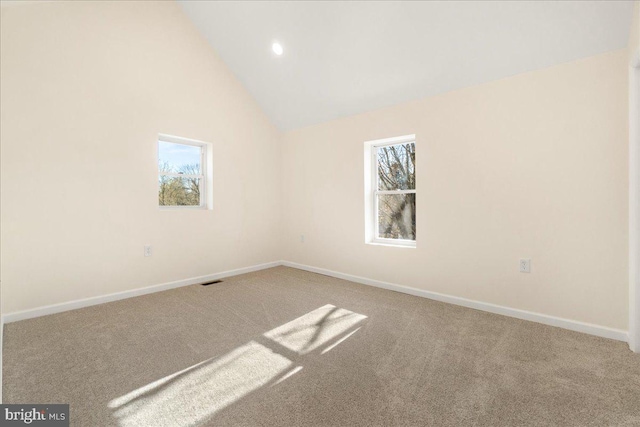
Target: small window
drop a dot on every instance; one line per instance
(182, 172)
(391, 202)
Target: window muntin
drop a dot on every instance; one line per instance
(394, 193)
(181, 173)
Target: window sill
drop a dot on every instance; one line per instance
(393, 245)
(183, 208)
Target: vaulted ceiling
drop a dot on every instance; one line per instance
(343, 58)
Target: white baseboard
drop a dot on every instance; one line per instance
(573, 325)
(86, 302)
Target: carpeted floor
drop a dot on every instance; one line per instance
(284, 347)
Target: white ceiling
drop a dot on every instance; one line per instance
(343, 58)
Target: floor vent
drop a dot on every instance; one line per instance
(211, 283)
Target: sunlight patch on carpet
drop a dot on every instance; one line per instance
(193, 395)
(314, 329)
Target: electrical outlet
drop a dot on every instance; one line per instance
(525, 266)
(147, 250)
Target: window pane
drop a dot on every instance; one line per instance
(396, 167)
(179, 158)
(397, 216)
(178, 191)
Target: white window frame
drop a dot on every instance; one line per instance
(204, 177)
(372, 192)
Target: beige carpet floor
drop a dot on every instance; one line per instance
(284, 347)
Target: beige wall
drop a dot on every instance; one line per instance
(532, 166)
(634, 34)
(86, 88)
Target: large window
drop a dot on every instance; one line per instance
(392, 199)
(182, 172)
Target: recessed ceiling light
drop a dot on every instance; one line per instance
(277, 48)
